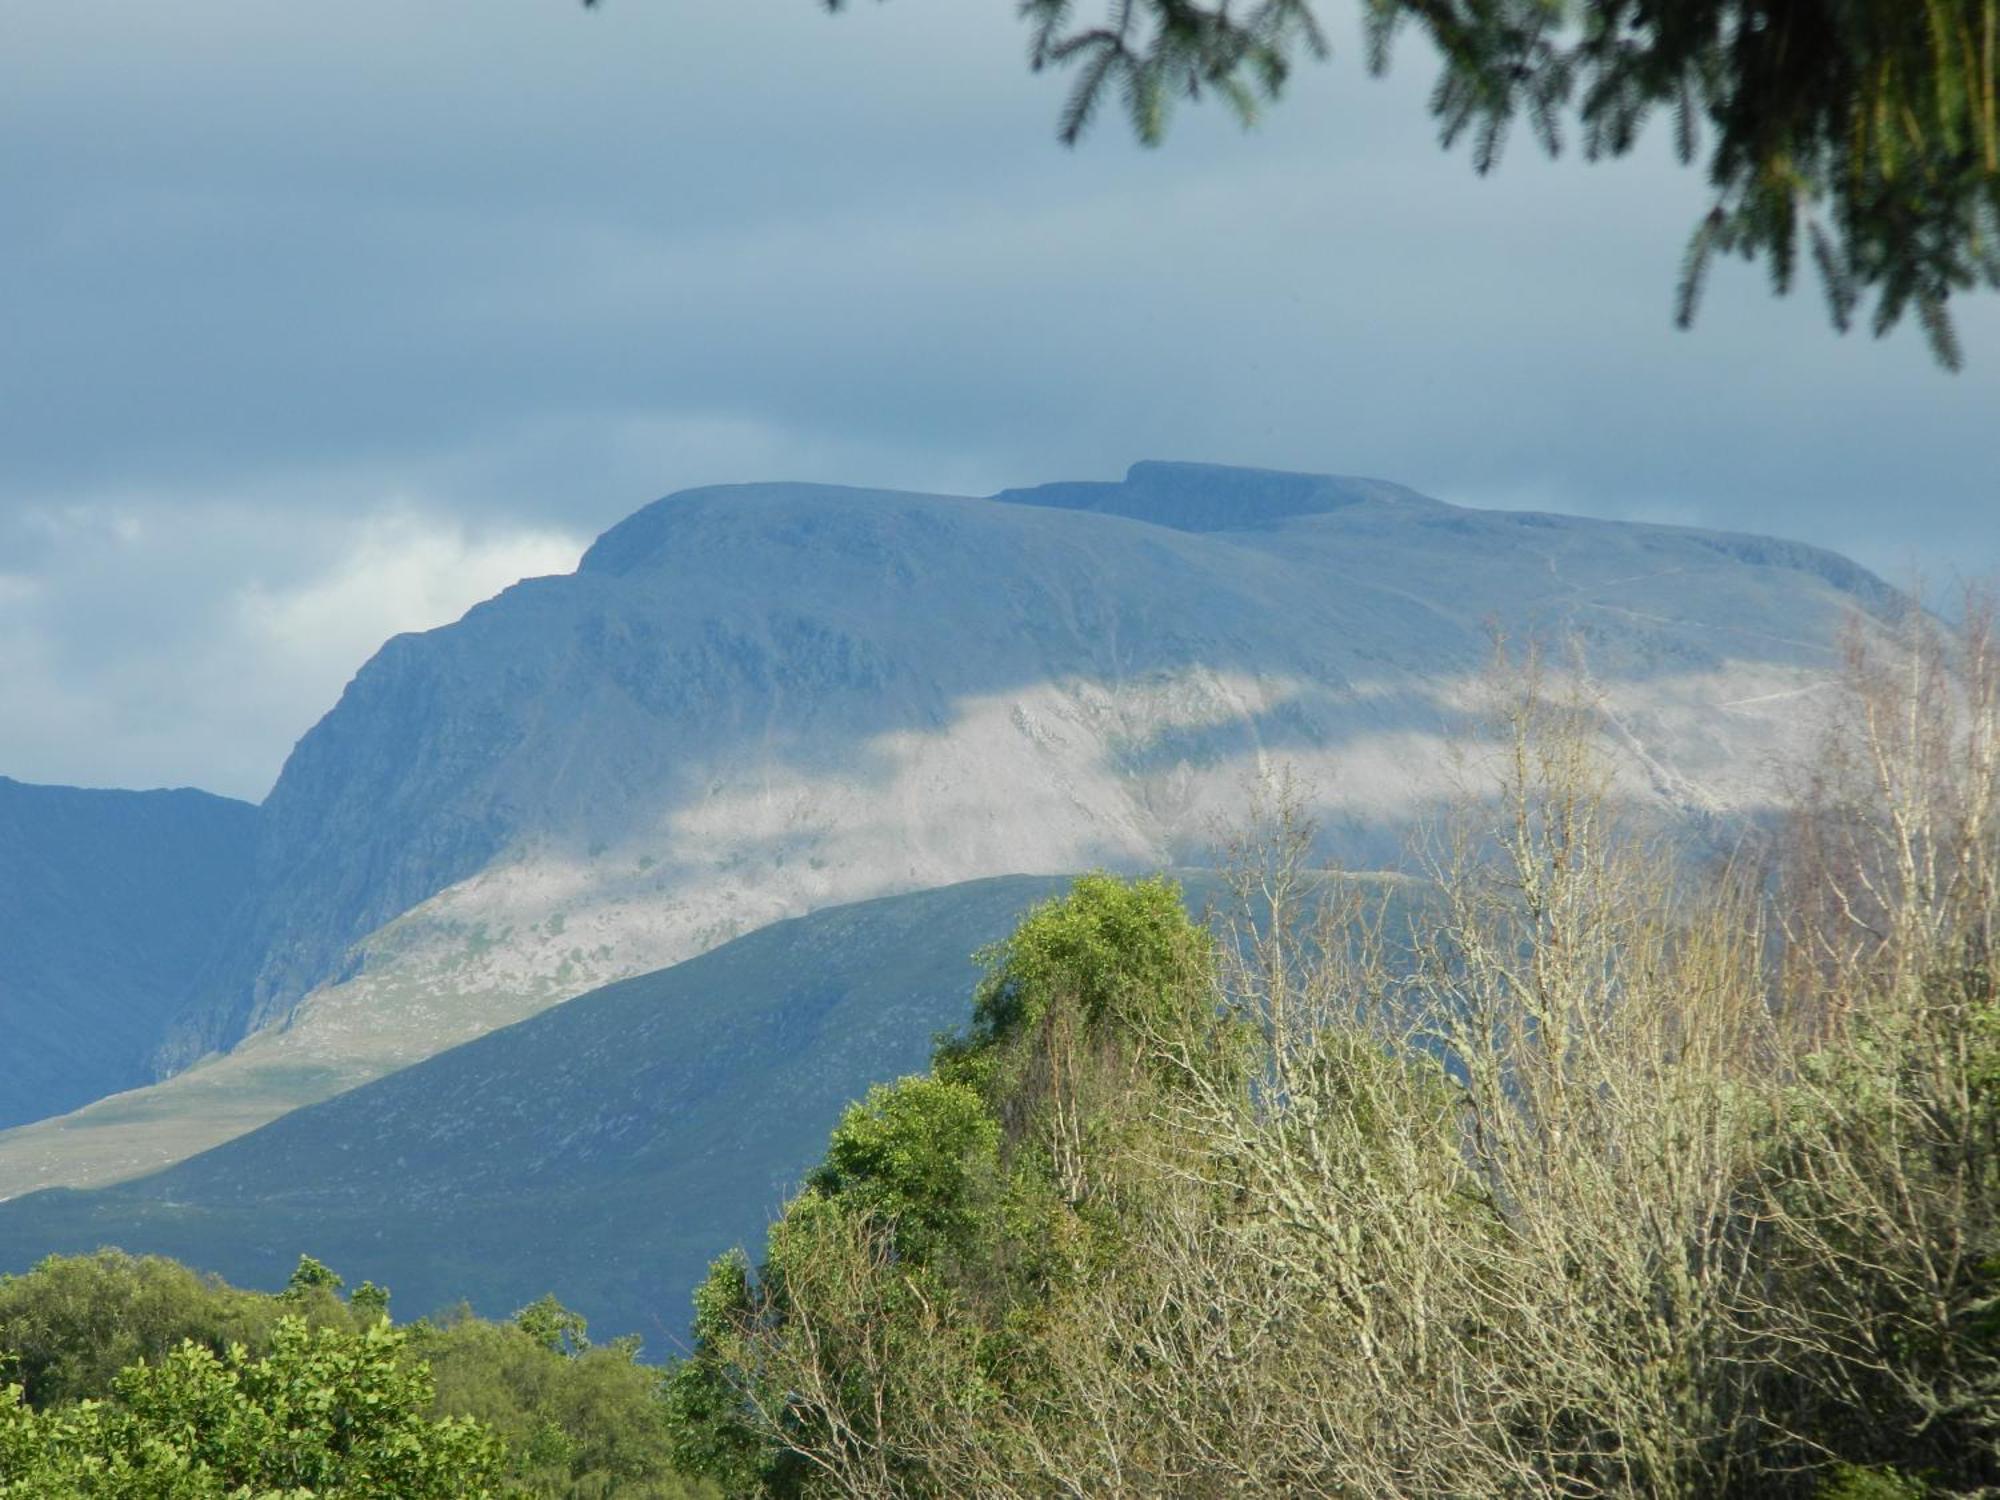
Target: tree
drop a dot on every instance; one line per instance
(554, 1327)
(578, 1423)
(68, 1326)
(327, 1413)
(1864, 132)
(312, 1277)
(567, 1418)
(910, 1155)
(370, 1301)
(913, 1288)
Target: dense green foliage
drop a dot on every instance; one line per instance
(1620, 1177)
(578, 1421)
(955, 1212)
(69, 1326)
(327, 1412)
(135, 1377)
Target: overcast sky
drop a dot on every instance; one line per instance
(323, 320)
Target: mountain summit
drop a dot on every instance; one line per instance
(1214, 497)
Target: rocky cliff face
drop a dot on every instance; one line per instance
(109, 902)
(752, 701)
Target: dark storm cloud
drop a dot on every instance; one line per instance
(506, 270)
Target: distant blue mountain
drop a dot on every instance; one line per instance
(109, 904)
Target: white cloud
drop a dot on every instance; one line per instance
(191, 643)
(398, 571)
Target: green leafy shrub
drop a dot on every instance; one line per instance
(327, 1413)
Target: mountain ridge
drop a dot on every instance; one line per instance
(107, 899)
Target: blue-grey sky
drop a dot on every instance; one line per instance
(325, 319)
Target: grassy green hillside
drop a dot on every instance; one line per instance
(604, 1150)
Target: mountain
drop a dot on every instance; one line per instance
(109, 904)
(606, 1149)
(751, 702)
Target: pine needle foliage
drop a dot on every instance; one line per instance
(1863, 135)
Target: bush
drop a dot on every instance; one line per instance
(328, 1413)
